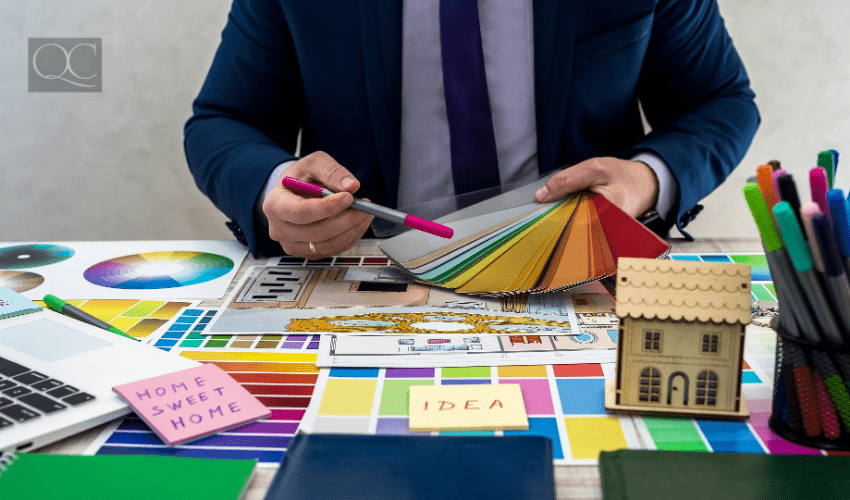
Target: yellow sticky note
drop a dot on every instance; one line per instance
(467, 408)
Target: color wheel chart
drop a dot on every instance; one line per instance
(155, 270)
(33, 255)
(20, 281)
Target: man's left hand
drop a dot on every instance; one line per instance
(631, 185)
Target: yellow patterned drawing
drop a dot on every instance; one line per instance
(424, 323)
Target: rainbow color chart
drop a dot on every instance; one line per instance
(282, 381)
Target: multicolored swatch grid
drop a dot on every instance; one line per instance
(282, 381)
(187, 331)
(563, 402)
(139, 318)
(762, 286)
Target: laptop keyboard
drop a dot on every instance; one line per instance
(26, 394)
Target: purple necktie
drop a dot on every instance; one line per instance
(473, 143)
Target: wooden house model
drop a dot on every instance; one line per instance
(680, 343)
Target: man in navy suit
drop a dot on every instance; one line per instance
(362, 80)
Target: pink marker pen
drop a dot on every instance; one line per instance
(385, 213)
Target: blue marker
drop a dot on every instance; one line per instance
(835, 278)
(840, 224)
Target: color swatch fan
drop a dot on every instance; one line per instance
(508, 245)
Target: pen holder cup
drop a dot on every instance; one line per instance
(811, 393)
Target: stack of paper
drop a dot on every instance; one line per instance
(509, 245)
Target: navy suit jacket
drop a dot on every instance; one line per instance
(332, 68)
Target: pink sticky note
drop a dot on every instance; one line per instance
(190, 404)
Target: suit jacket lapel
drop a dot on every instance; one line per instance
(554, 33)
(380, 22)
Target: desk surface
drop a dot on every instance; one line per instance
(576, 482)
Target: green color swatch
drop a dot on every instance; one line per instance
(670, 433)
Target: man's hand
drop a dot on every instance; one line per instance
(631, 185)
(325, 223)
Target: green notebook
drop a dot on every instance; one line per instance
(33, 476)
(679, 475)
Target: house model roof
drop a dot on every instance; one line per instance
(683, 290)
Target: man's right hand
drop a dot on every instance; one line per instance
(296, 222)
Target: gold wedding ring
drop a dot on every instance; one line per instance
(312, 247)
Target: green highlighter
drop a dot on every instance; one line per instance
(62, 307)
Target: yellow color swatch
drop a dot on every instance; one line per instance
(123, 323)
(348, 397)
(472, 407)
(107, 309)
(522, 371)
(590, 435)
(168, 310)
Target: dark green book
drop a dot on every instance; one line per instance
(680, 475)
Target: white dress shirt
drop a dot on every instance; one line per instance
(507, 37)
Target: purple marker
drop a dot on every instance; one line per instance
(385, 213)
(776, 174)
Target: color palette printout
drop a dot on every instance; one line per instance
(188, 331)
(121, 269)
(139, 318)
(282, 380)
(563, 401)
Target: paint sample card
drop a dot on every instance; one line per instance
(467, 408)
(189, 404)
(532, 248)
(121, 269)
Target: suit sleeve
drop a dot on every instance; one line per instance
(696, 96)
(247, 116)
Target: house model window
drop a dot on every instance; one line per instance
(707, 388)
(650, 385)
(652, 341)
(709, 343)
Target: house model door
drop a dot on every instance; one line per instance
(677, 389)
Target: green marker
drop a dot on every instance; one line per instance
(62, 307)
(792, 235)
(792, 314)
(827, 161)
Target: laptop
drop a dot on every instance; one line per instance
(57, 374)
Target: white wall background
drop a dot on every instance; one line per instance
(110, 165)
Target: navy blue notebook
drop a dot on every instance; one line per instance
(358, 467)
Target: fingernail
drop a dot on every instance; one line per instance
(347, 183)
(542, 193)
